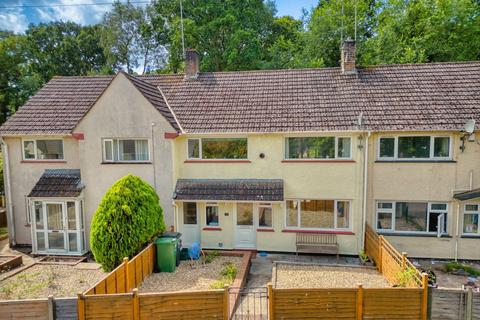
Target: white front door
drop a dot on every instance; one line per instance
(191, 224)
(245, 230)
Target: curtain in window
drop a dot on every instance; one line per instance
(141, 148)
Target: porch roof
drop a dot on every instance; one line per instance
(229, 189)
(468, 195)
(58, 183)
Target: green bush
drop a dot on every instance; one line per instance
(128, 216)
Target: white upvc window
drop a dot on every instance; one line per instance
(471, 219)
(411, 217)
(318, 214)
(318, 148)
(414, 147)
(212, 215)
(42, 149)
(217, 148)
(126, 150)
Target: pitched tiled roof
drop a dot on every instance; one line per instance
(229, 189)
(58, 183)
(435, 96)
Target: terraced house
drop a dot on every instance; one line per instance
(251, 159)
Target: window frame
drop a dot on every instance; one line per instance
(34, 140)
(470, 212)
(116, 151)
(335, 157)
(200, 150)
(212, 204)
(335, 214)
(431, 151)
(427, 227)
(264, 205)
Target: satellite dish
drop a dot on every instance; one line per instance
(469, 126)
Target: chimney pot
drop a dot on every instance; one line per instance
(348, 57)
(191, 64)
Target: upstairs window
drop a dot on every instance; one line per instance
(218, 148)
(414, 147)
(318, 148)
(43, 149)
(126, 150)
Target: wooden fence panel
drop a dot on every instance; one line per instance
(314, 303)
(183, 305)
(392, 303)
(24, 309)
(448, 304)
(112, 306)
(476, 306)
(65, 309)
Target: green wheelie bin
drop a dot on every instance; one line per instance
(166, 254)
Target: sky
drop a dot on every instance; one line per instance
(16, 15)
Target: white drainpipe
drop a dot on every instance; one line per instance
(8, 193)
(457, 231)
(365, 189)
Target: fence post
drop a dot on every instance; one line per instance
(360, 302)
(404, 261)
(50, 308)
(271, 315)
(136, 305)
(81, 306)
(127, 275)
(380, 250)
(424, 296)
(226, 306)
(469, 304)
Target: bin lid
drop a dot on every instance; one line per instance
(171, 234)
(164, 240)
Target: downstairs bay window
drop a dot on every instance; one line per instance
(318, 214)
(411, 217)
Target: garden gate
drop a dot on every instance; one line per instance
(249, 303)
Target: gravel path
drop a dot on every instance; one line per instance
(188, 278)
(306, 276)
(41, 281)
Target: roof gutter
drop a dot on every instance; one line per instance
(8, 193)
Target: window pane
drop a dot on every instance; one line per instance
(317, 214)
(265, 217)
(56, 240)
(40, 241)
(193, 148)
(433, 223)
(292, 213)
(190, 213)
(38, 211)
(471, 207)
(244, 214)
(470, 223)
(29, 150)
(212, 215)
(133, 150)
(49, 149)
(387, 147)
(411, 216)
(384, 220)
(385, 205)
(439, 206)
(224, 148)
(108, 145)
(72, 242)
(344, 147)
(72, 219)
(343, 214)
(311, 148)
(414, 147)
(54, 216)
(441, 147)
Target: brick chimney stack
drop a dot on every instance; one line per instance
(191, 64)
(348, 57)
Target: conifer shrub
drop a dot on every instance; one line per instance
(128, 217)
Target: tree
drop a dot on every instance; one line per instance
(128, 216)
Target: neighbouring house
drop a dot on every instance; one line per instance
(249, 159)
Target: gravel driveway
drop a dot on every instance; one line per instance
(188, 278)
(312, 276)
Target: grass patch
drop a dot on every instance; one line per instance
(211, 255)
(453, 266)
(3, 230)
(228, 273)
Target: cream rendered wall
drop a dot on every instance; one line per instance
(315, 180)
(123, 112)
(426, 181)
(24, 176)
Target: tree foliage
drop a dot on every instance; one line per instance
(128, 216)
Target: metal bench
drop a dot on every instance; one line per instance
(317, 243)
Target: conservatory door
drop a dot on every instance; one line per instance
(56, 231)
